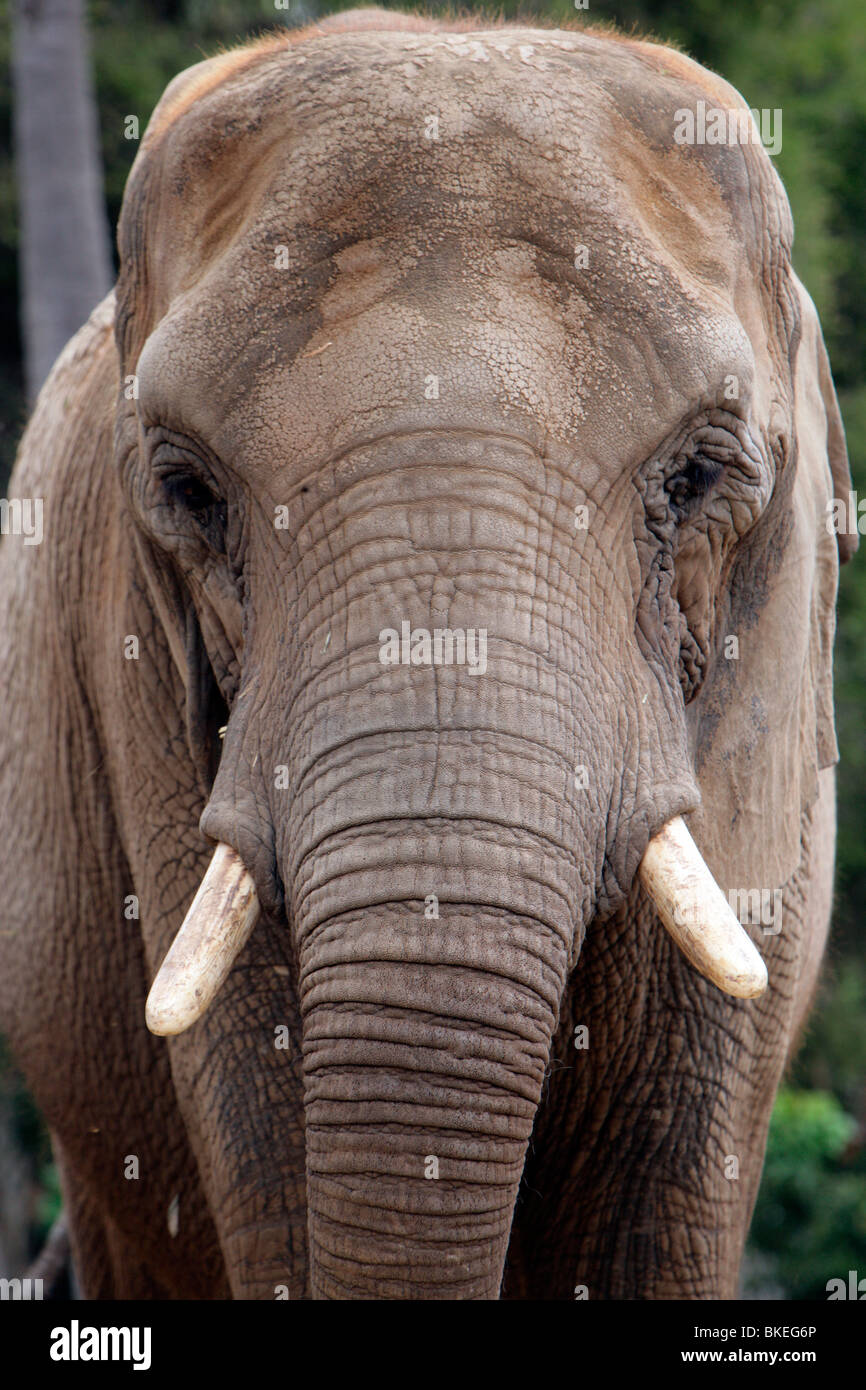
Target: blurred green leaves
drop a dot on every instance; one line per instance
(811, 1210)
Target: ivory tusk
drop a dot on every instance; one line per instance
(696, 913)
(222, 914)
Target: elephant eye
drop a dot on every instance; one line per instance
(688, 488)
(187, 493)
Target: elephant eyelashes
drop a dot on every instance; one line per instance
(186, 493)
(693, 483)
(189, 492)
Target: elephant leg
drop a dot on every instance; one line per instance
(106, 1265)
(108, 1262)
(130, 1277)
(88, 1237)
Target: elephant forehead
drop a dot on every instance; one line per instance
(381, 349)
(354, 135)
(505, 215)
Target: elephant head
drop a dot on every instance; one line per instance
(466, 415)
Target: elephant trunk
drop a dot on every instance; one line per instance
(425, 1045)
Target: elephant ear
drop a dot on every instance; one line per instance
(762, 726)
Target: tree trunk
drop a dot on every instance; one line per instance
(64, 257)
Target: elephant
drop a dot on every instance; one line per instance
(418, 766)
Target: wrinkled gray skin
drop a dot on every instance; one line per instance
(629, 1166)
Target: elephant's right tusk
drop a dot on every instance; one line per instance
(222, 914)
(695, 911)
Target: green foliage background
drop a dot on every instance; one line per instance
(809, 58)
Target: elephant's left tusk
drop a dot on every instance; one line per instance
(697, 915)
(223, 913)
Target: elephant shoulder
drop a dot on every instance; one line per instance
(73, 418)
(63, 481)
